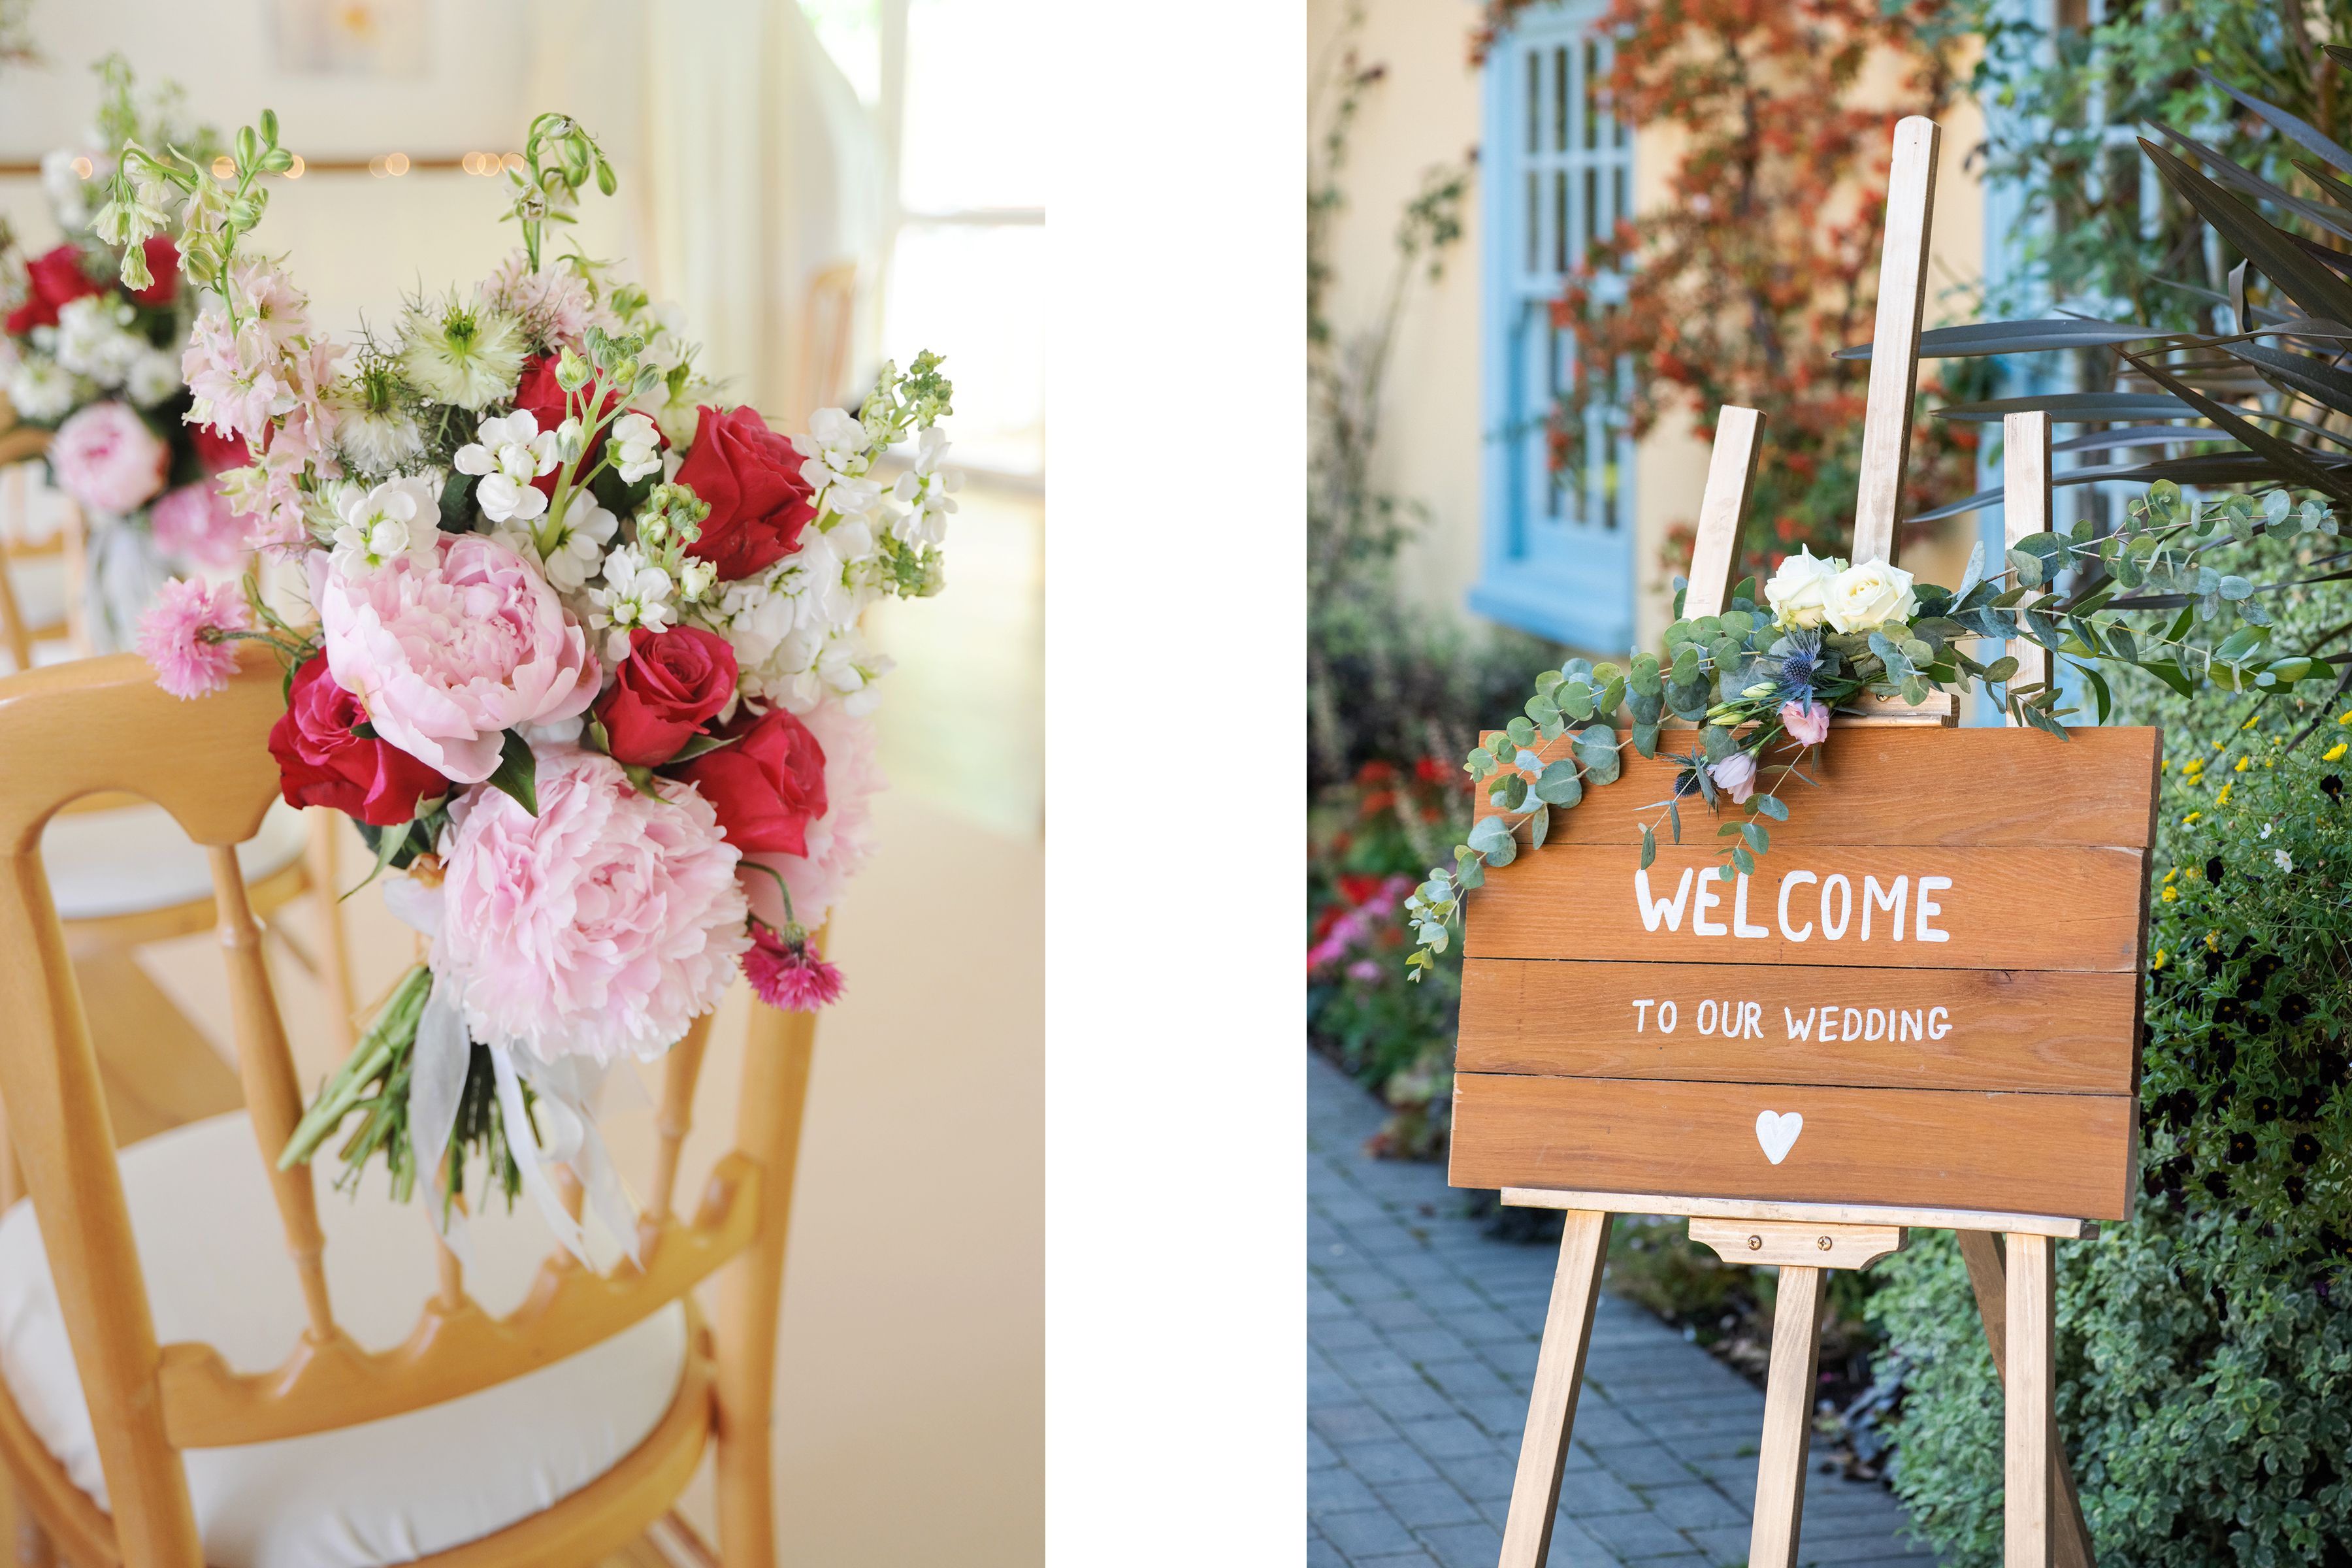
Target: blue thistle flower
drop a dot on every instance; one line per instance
(1802, 664)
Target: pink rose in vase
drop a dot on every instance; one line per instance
(107, 458)
(446, 656)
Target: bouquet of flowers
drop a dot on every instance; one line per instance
(96, 360)
(581, 653)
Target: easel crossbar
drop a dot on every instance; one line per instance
(1811, 1214)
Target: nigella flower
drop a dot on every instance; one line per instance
(786, 972)
(469, 355)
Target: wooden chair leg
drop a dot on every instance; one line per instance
(2070, 1547)
(777, 1054)
(34, 1549)
(1787, 1417)
(333, 954)
(2029, 1403)
(1559, 1374)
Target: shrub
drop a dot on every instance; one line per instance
(2205, 1347)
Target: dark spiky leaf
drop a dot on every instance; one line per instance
(2017, 337)
(2074, 407)
(2319, 291)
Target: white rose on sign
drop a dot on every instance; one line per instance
(1798, 591)
(1863, 599)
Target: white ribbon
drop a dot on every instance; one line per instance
(567, 1092)
(437, 1083)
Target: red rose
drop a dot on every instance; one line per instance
(768, 787)
(670, 683)
(543, 398)
(55, 277)
(321, 762)
(759, 503)
(164, 266)
(218, 453)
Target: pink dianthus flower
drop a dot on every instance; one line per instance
(179, 634)
(789, 973)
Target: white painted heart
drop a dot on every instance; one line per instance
(1778, 1132)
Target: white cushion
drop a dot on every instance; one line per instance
(39, 583)
(382, 1493)
(136, 858)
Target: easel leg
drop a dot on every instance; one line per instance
(1559, 1373)
(1787, 1417)
(2030, 1402)
(2070, 1547)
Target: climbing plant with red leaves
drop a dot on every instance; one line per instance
(1763, 258)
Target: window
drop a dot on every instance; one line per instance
(1558, 167)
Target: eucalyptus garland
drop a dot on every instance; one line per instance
(1756, 683)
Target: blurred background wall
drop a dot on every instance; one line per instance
(762, 147)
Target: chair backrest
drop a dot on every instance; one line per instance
(19, 448)
(821, 361)
(102, 724)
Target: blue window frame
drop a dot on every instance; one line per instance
(1558, 555)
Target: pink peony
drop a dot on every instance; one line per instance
(446, 658)
(179, 636)
(1737, 773)
(107, 458)
(789, 973)
(838, 841)
(1808, 722)
(194, 521)
(601, 927)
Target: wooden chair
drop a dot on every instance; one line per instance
(821, 355)
(40, 583)
(154, 1410)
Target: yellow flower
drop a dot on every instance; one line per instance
(2190, 820)
(2192, 767)
(2244, 763)
(2212, 941)
(2171, 894)
(2156, 963)
(2169, 876)
(2223, 798)
(2252, 722)
(2335, 752)
(2346, 718)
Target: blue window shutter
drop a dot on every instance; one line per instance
(1556, 556)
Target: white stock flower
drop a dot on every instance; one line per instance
(837, 452)
(1798, 590)
(927, 490)
(573, 554)
(1863, 599)
(92, 338)
(696, 579)
(636, 447)
(509, 454)
(635, 593)
(154, 376)
(39, 388)
(399, 519)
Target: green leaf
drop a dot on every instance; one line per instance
(1646, 739)
(1539, 824)
(2098, 684)
(700, 744)
(516, 771)
(1542, 711)
(1491, 838)
(1521, 731)
(1611, 699)
(1649, 847)
(1773, 806)
(1575, 700)
(2001, 670)
(1759, 837)
(1470, 873)
(1596, 748)
(1558, 785)
(2028, 567)
(1742, 858)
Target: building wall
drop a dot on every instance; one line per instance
(1427, 111)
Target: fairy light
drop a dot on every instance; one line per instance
(223, 167)
(397, 164)
(82, 167)
(294, 170)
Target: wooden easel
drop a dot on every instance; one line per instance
(2015, 1293)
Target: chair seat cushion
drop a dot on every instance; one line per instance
(136, 858)
(383, 1491)
(40, 581)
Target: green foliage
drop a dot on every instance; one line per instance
(2205, 1347)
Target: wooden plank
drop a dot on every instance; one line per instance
(1960, 908)
(1967, 1222)
(2030, 1405)
(1988, 1277)
(1894, 341)
(1975, 1028)
(2033, 1153)
(1786, 1243)
(1909, 785)
(1789, 1387)
(2025, 510)
(1559, 1376)
(1722, 508)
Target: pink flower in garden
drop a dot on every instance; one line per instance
(788, 972)
(1808, 722)
(178, 635)
(599, 928)
(194, 521)
(1736, 773)
(1366, 969)
(445, 657)
(839, 842)
(107, 458)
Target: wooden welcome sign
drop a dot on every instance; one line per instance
(1921, 1009)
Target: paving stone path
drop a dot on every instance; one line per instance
(1422, 1344)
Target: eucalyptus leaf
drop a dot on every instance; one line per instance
(1649, 847)
(1772, 806)
(1646, 739)
(1491, 836)
(1596, 749)
(1559, 785)
(1539, 824)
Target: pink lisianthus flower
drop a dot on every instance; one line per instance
(107, 458)
(839, 842)
(1808, 722)
(1736, 775)
(447, 657)
(194, 521)
(599, 928)
(787, 972)
(180, 636)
